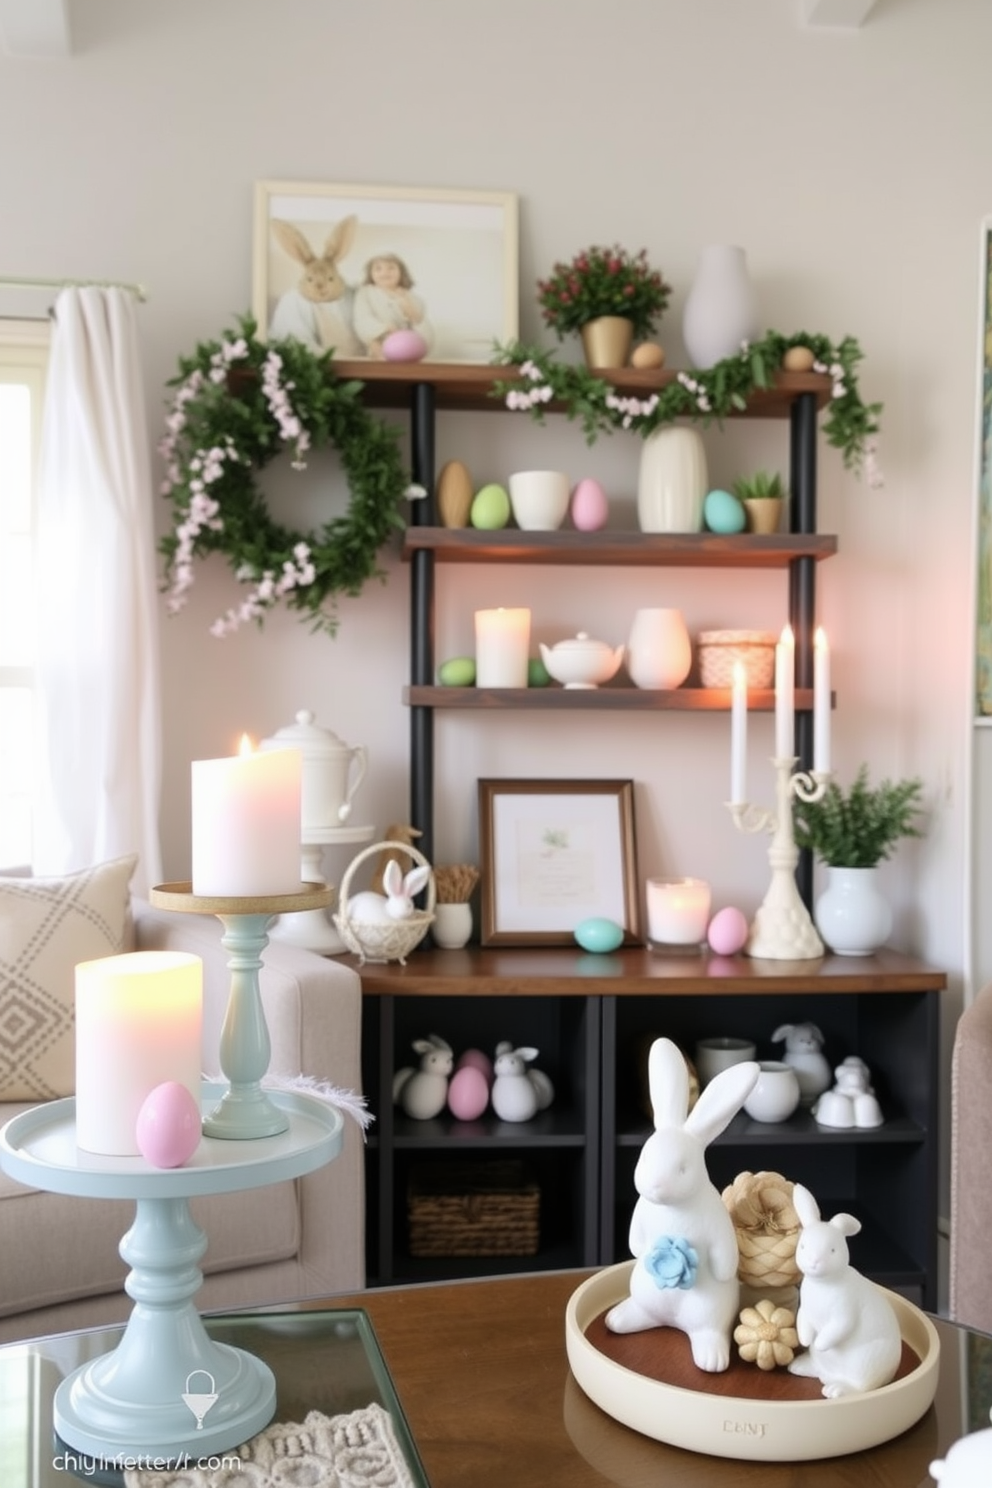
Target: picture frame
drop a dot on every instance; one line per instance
(455, 274)
(555, 853)
(983, 487)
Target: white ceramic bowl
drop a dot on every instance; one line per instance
(539, 499)
(776, 1095)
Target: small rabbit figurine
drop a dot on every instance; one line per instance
(397, 904)
(316, 311)
(681, 1233)
(849, 1327)
(518, 1093)
(423, 1093)
(803, 1045)
(967, 1464)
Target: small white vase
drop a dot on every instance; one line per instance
(659, 653)
(672, 481)
(452, 926)
(721, 310)
(852, 915)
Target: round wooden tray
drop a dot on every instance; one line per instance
(701, 1416)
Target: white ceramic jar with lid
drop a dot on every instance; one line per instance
(332, 770)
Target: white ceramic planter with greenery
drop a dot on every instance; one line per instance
(853, 916)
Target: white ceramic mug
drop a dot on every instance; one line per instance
(776, 1095)
(539, 499)
(716, 1054)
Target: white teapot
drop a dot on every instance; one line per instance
(332, 770)
(581, 661)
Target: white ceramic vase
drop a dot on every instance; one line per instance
(852, 915)
(659, 653)
(721, 310)
(672, 481)
(452, 926)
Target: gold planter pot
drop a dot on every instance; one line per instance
(607, 340)
(764, 513)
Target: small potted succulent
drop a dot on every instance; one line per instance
(851, 833)
(599, 284)
(763, 496)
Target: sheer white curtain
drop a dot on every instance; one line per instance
(98, 660)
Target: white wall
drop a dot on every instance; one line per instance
(852, 165)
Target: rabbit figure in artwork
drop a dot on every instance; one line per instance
(423, 1092)
(681, 1233)
(397, 903)
(847, 1324)
(803, 1046)
(317, 311)
(518, 1093)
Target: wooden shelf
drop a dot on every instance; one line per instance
(619, 549)
(469, 387)
(594, 699)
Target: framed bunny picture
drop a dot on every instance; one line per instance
(386, 273)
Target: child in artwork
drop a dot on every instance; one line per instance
(385, 302)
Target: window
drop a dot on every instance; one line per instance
(23, 360)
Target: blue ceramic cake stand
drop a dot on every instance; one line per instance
(167, 1391)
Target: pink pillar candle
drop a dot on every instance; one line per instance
(247, 824)
(502, 647)
(138, 1024)
(678, 911)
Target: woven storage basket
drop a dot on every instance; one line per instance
(720, 649)
(474, 1209)
(394, 940)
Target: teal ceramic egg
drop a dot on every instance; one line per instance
(722, 512)
(599, 934)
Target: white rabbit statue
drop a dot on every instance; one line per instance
(849, 1327)
(518, 1093)
(423, 1093)
(317, 311)
(803, 1046)
(968, 1464)
(397, 902)
(681, 1232)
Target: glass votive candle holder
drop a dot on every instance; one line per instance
(678, 913)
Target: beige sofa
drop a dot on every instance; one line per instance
(971, 1165)
(60, 1264)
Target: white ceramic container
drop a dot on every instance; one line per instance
(776, 1094)
(539, 499)
(659, 653)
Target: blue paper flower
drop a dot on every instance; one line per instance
(672, 1262)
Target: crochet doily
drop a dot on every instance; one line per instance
(358, 1450)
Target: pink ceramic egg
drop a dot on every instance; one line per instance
(468, 1093)
(727, 933)
(478, 1060)
(168, 1129)
(590, 507)
(404, 346)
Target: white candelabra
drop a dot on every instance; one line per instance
(782, 929)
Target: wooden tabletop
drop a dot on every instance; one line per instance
(481, 1371)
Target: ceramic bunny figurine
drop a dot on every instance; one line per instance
(850, 1329)
(518, 1093)
(681, 1233)
(397, 903)
(803, 1046)
(968, 1463)
(316, 312)
(423, 1093)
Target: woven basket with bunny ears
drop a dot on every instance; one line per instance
(371, 941)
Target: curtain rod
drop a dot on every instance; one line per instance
(9, 283)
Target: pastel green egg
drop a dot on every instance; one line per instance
(537, 673)
(490, 507)
(598, 934)
(458, 671)
(723, 512)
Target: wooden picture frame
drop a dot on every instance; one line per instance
(983, 485)
(456, 280)
(555, 853)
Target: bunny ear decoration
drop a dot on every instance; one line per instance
(805, 1205)
(416, 880)
(392, 878)
(721, 1099)
(668, 1083)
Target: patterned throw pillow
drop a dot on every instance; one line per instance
(47, 925)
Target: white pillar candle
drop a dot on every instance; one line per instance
(821, 701)
(678, 911)
(247, 824)
(502, 645)
(785, 685)
(738, 735)
(138, 1023)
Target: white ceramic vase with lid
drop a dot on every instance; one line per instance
(332, 770)
(721, 310)
(659, 653)
(672, 481)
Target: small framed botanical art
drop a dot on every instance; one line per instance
(555, 853)
(341, 268)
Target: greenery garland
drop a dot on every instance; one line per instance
(849, 424)
(239, 403)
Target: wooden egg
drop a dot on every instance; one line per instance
(798, 359)
(648, 356)
(453, 494)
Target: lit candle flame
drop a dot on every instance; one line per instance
(246, 746)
